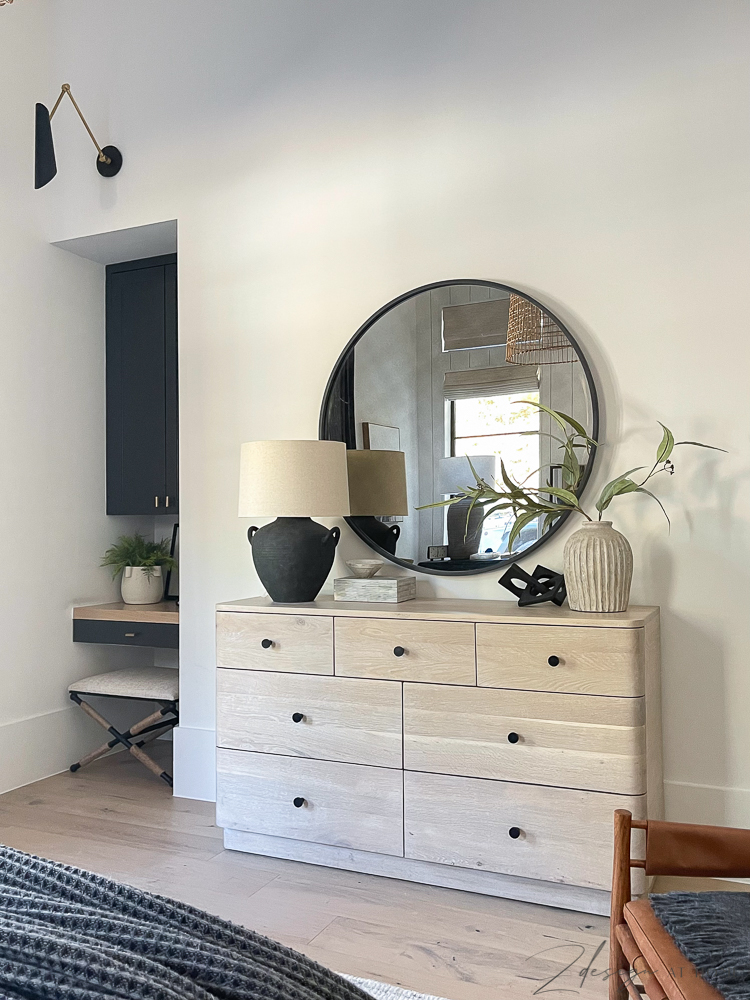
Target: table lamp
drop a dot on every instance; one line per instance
(293, 481)
(454, 475)
(377, 487)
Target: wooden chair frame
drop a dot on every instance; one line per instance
(684, 850)
(624, 953)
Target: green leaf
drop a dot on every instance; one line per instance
(518, 526)
(571, 466)
(512, 487)
(552, 413)
(576, 426)
(549, 520)
(565, 495)
(613, 488)
(653, 497)
(699, 444)
(440, 503)
(560, 418)
(667, 444)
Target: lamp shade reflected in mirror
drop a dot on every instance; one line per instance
(445, 372)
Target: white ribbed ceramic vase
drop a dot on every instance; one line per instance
(139, 587)
(598, 567)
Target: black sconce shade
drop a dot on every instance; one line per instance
(45, 166)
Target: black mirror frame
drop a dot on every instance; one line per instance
(495, 564)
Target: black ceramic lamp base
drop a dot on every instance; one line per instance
(384, 535)
(293, 556)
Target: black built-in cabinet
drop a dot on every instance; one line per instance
(141, 318)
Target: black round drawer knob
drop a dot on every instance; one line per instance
(299, 802)
(514, 833)
(297, 717)
(266, 643)
(398, 650)
(513, 737)
(554, 661)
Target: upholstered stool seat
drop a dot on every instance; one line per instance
(159, 684)
(149, 683)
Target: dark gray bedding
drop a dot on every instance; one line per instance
(68, 935)
(712, 929)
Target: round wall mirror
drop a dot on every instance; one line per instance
(444, 374)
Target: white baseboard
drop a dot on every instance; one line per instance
(35, 748)
(194, 763)
(690, 803)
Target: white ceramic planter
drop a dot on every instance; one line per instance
(139, 588)
(598, 567)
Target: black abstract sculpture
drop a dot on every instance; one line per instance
(534, 588)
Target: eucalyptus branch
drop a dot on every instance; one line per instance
(551, 502)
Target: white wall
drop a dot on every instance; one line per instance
(322, 156)
(54, 530)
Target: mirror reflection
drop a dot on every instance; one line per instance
(447, 374)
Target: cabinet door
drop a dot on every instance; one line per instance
(142, 386)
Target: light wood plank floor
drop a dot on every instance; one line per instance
(114, 818)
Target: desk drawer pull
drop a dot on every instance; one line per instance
(398, 650)
(554, 661)
(266, 643)
(297, 717)
(514, 833)
(513, 737)
(130, 635)
(298, 802)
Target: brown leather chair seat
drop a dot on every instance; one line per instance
(678, 977)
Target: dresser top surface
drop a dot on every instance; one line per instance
(450, 609)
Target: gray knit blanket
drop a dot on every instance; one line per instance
(712, 930)
(66, 934)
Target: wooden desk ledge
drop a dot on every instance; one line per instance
(164, 613)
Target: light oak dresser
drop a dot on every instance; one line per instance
(469, 744)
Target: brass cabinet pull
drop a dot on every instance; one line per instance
(156, 501)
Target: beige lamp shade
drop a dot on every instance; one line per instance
(377, 483)
(293, 479)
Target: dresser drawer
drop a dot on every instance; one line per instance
(343, 805)
(294, 643)
(329, 718)
(569, 740)
(578, 659)
(564, 835)
(406, 650)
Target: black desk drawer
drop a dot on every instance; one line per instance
(161, 634)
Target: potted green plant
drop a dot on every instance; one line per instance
(598, 561)
(141, 563)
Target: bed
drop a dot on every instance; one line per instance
(66, 934)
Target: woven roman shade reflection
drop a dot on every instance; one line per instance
(534, 338)
(503, 380)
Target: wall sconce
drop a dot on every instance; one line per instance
(108, 160)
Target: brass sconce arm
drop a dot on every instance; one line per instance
(65, 89)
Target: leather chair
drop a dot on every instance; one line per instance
(638, 941)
